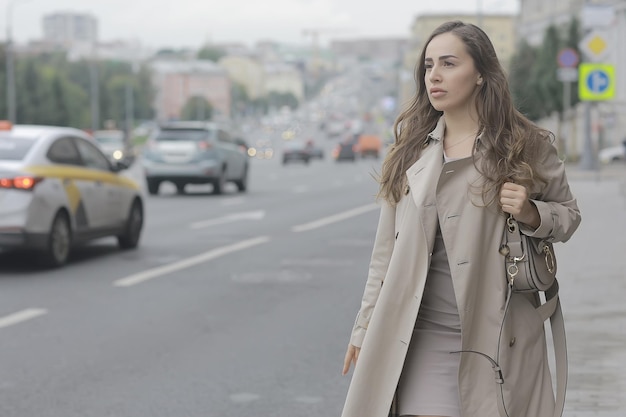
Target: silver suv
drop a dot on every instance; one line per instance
(194, 153)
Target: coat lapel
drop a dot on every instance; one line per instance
(422, 178)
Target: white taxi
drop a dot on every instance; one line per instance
(58, 189)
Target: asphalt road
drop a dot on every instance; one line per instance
(241, 304)
(235, 304)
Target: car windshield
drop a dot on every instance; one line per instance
(294, 145)
(108, 138)
(14, 148)
(183, 135)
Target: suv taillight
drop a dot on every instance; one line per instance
(20, 183)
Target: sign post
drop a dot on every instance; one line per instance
(596, 82)
(567, 73)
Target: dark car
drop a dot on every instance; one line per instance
(194, 153)
(314, 150)
(296, 151)
(345, 151)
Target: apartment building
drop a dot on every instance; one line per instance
(176, 82)
(67, 29)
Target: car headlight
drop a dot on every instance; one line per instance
(117, 155)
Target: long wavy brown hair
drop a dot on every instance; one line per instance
(509, 144)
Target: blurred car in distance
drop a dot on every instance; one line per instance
(613, 154)
(191, 152)
(243, 145)
(58, 190)
(114, 145)
(345, 151)
(314, 150)
(296, 151)
(369, 145)
(262, 149)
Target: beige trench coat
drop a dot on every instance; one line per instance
(472, 235)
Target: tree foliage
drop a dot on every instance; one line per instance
(54, 91)
(211, 53)
(197, 108)
(533, 77)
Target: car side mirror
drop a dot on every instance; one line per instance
(118, 166)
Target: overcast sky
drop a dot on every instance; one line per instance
(191, 23)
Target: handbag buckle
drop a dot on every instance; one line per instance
(549, 257)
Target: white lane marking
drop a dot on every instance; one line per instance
(188, 262)
(334, 218)
(250, 215)
(20, 316)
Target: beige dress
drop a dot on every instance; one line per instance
(429, 381)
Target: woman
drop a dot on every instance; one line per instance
(463, 160)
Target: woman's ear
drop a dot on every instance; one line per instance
(479, 81)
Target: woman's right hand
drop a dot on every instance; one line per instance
(352, 354)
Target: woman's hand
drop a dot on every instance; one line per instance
(514, 200)
(351, 357)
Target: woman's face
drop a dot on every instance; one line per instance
(451, 78)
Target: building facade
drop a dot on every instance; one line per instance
(176, 82)
(283, 78)
(247, 71)
(68, 29)
(380, 50)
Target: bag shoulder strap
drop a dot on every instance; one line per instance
(557, 325)
(550, 309)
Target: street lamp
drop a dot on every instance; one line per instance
(10, 67)
(9, 64)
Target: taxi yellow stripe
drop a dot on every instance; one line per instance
(80, 173)
(73, 195)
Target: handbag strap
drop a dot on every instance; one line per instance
(552, 309)
(557, 325)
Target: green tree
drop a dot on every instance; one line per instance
(522, 91)
(239, 99)
(197, 108)
(210, 53)
(278, 100)
(546, 86)
(572, 39)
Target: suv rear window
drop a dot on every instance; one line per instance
(14, 148)
(192, 135)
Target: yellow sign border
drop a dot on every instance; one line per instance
(584, 93)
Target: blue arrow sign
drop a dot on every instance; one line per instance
(598, 81)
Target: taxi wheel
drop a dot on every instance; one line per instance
(59, 241)
(132, 231)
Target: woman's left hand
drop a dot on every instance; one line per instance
(514, 200)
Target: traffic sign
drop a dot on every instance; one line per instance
(567, 75)
(595, 45)
(596, 82)
(567, 58)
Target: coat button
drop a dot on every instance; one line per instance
(512, 342)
